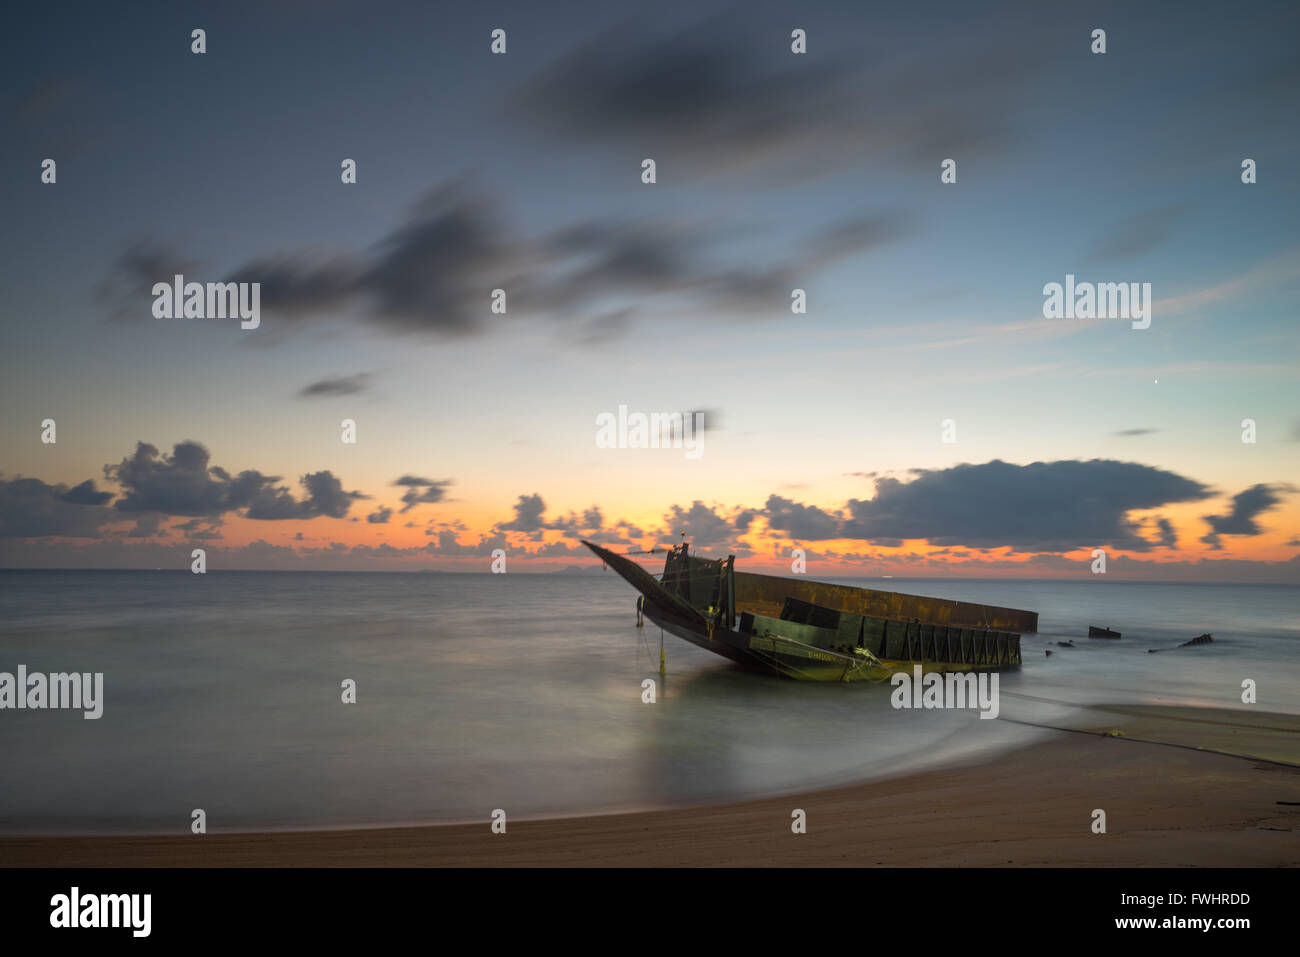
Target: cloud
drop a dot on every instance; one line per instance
(262, 549)
(1245, 507)
(325, 497)
(1168, 537)
(1135, 236)
(179, 485)
(201, 530)
(421, 491)
(528, 515)
(1044, 506)
(86, 494)
(449, 546)
(590, 525)
(672, 269)
(1130, 432)
(185, 484)
(29, 508)
(703, 526)
(127, 288)
(380, 516)
(715, 98)
(337, 385)
(434, 272)
(146, 526)
(805, 522)
(431, 274)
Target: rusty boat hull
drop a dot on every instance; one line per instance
(819, 631)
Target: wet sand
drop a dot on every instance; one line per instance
(1166, 804)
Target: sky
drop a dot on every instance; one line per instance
(921, 418)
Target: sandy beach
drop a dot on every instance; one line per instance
(1166, 804)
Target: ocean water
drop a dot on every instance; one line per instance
(523, 692)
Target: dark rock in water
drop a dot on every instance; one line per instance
(1204, 639)
(1066, 644)
(1047, 652)
(1095, 632)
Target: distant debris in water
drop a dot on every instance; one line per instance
(1066, 644)
(1095, 632)
(1048, 652)
(1204, 639)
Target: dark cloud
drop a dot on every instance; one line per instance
(1135, 236)
(447, 544)
(380, 516)
(325, 497)
(713, 98)
(181, 484)
(262, 549)
(127, 288)
(85, 494)
(590, 525)
(436, 271)
(29, 508)
(1044, 506)
(201, 529)
(591, 520)
(805, 522)
(672, 269)
(146, 526)
(184, 483)
(433, 273)
(337, 385)
(1129, 432)
(703, 526)
(1245, 507)
(421, 491)
(301, 283)
(441, 265)
(528, 515)
(1168, 537)
(558, 550)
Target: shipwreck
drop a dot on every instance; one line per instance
(818, 631)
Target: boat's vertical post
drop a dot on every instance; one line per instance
(730, 603)
(663, 658)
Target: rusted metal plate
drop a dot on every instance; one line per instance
(766, 594)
